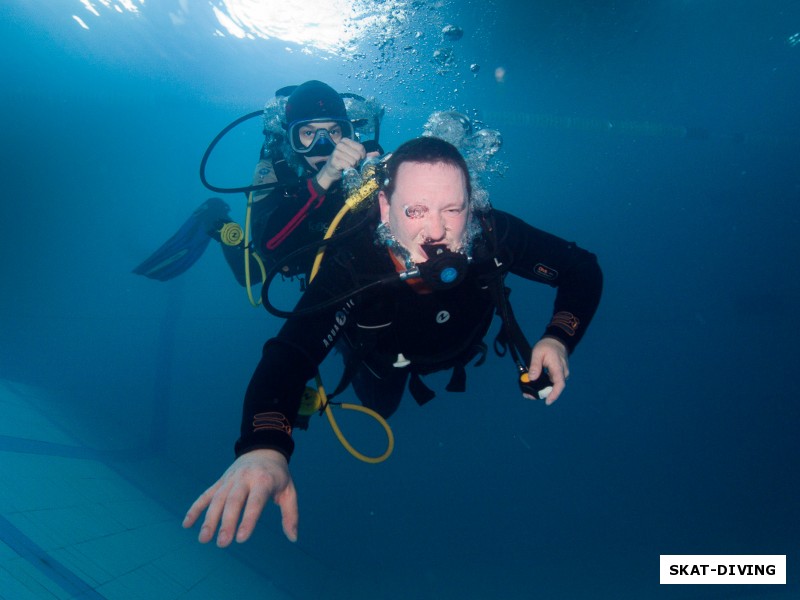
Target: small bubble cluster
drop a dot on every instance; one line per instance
(478, 145)
(452, 32)
(411, 46)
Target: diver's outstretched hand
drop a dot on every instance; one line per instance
(347, 154)
(550, 354)
(249, 483)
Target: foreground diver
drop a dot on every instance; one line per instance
(304, 156)
(396, 331)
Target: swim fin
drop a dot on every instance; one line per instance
(184, 248)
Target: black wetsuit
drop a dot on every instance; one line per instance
(291, 216)
(295, 213)
(433, 331)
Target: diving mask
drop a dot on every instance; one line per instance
(309, 138)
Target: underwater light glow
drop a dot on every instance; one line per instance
(80, 21)
(330, 25)
(119, 6)
(88, 5)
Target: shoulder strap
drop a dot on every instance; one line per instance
(283, 171)
(511, 337)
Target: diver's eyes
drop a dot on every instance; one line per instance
(307, 132)
(335, 132)
(418, 211)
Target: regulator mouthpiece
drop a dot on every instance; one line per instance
(444, 268)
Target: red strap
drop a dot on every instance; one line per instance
(281, 236)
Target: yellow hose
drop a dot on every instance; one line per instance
(234, 235)
(247, 255)
(353, 201)
(340, 436)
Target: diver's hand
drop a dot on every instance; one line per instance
(248, 484)
(551, 354)
(346, 155)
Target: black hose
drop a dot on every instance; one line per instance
(314, 246)
(220, 190)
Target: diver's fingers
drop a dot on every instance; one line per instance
(256, 501)
(290, 515)
(550, 354)
(558, 370)
(348, 153)
(346, 160)
(214, 511)
(352, 145)
(234, 502)
(199, 505)
(559, 383)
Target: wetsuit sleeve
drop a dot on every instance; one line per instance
(288, 361)
(272, 399)
(540, 256)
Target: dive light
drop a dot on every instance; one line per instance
(539, 388)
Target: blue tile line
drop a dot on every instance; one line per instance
(20, 445)
(46, 564)
(26, 446)
(27, 548)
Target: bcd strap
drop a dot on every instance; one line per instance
(501, 343)
(356, 350)
(419, 391)
(458, 377)
(283, 171)
(458, 380)
(350, 367)
(511, 336)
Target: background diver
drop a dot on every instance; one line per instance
(394, 333)
(310, 141)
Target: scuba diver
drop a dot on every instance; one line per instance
(309, 142)
(411, 290)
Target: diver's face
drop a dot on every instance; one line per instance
(311, 133)
(429, 206)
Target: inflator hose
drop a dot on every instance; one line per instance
(351, 202)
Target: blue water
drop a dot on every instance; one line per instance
(678, 431)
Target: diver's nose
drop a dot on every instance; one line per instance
(435, 230)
